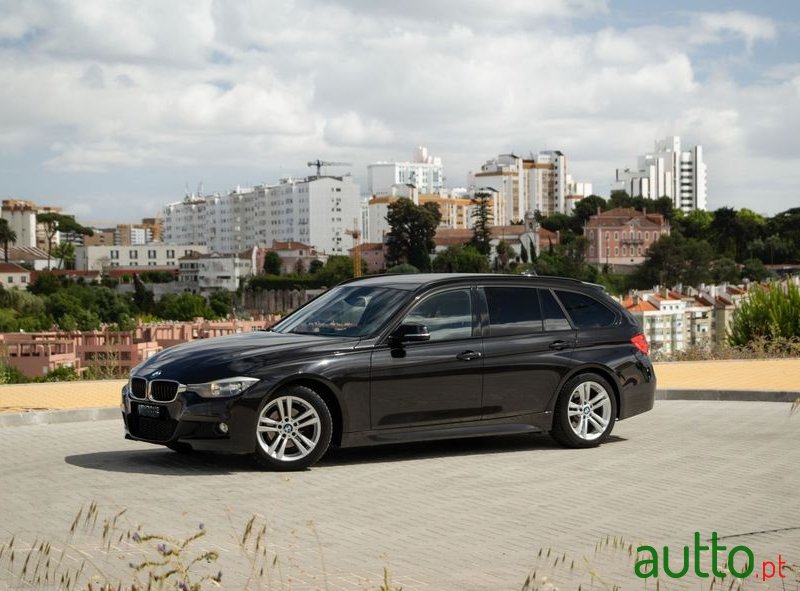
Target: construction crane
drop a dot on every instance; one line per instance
(356, 234)
(320, 163)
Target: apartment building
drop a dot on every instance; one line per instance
(316, 210)
(216, 271)
(144, 257)
(621, 236)
(423, 171)
(525, 185)
(456, 209)
(669, 171)
(38, 354)
(21, 217)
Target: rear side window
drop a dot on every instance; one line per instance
(513, 311)
(553, 315)
(585, 311)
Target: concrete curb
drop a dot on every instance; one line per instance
(728, 395)
(48, 417)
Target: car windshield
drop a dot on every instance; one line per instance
(345, 311)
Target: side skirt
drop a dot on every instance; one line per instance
(529, 423)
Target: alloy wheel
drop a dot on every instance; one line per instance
(589, 410)
(289, 428)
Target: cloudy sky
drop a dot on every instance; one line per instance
(110, 108)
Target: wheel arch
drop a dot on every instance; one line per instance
(327, 392)
(605, 372)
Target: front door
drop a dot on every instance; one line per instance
(434, 382)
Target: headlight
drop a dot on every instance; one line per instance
(222, 388)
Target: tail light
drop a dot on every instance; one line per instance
(640, 342)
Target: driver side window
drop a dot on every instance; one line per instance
(447, 315)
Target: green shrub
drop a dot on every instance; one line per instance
(772, 313)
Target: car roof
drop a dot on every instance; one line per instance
(413, 281)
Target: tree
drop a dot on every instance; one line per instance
(57, 222)
(412, 229)
(504, 253)
(184, 306)
(403, 268)
(65, 252)
(315, 265)
(461, 259)
(272, 263)
(754, 270)
(523, 253)
(143, 298)
(675, 259)
(6, 235)
(724, 270)
(482, 222)
(221, 302)
(588, 206)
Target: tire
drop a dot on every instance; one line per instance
(285, 443)
(585, 412)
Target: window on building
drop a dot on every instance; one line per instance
(114, 254)
(151, 254)
(133, 254)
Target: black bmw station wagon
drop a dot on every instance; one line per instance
(396, 358)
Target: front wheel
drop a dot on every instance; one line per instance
(293, 430)
(585, 412)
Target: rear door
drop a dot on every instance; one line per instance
(527, 346)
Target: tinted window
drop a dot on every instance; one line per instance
(513, 310)
(345, 311)
(448, 315)
(586, 312)
(554, 318)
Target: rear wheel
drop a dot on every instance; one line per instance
(585, 412)
(293, 430)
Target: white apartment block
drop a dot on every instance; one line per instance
(425, 172)
(525, 185)
(668, 171)
(316, 211)
(101, 258)
(215, 271)
(21, 217)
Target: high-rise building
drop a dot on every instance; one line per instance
(668, 171)
(317, 210)
(526, 185)
(425, 172)
(21, 216)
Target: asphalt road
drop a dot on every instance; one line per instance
(470, 514)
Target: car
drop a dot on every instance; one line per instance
(399, 358)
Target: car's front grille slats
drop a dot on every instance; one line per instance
(155, 390)
(139, 388)
(163, 390)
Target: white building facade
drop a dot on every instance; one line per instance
(316, 211)
(100, 258)
(525, 185)
(424, 171)
(668, 171)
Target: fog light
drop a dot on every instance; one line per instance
(223, 427)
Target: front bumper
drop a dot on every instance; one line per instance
(193, 420)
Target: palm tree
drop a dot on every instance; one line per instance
(6, 235)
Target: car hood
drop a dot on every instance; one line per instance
(235, 354)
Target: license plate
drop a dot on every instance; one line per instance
(146, 410)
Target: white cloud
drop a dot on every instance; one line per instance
(749, 27)
(253, 86)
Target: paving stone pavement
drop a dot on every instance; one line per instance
(461, 515)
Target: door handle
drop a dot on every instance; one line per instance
(469, 355)
(559, 345)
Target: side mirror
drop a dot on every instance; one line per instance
(410, 333)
